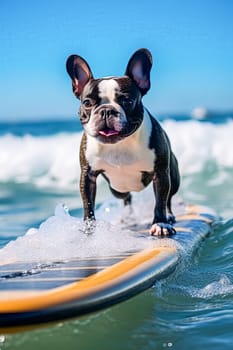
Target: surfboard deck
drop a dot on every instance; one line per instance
(32, 295)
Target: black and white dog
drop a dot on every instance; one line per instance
(121, 140)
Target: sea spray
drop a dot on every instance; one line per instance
(63, 236)
(52, 161)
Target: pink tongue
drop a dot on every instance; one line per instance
(108, 132)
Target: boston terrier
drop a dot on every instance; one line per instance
(122, 141)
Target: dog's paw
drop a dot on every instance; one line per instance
(171, 219)
(161, 229)
(88, 227)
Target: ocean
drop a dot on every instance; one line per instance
(193, 307)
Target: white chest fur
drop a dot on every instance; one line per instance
(124, 162)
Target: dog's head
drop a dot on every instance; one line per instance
(111, 108)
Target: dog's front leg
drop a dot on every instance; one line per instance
(87, 183)
(88, 191)
(88, 194)
(161, 185)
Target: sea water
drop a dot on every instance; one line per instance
(41, 217)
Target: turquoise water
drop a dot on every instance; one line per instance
(193, 307)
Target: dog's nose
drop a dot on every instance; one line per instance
(108, 112)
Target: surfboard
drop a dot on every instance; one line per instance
(34, 295)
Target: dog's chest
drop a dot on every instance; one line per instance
(123, 164)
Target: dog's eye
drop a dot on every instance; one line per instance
(87, 103)
(127, 102)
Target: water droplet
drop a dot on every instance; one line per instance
(168, 345)
(2, 339)
(61, 210)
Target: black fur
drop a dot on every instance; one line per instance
(164, 172)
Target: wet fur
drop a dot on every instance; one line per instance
(139, 153)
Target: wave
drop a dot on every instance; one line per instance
(43, 161)
(197, 144)
(49, 241)
(53, 160)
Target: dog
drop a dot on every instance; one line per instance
(122, 141)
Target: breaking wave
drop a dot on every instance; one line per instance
(52, 160)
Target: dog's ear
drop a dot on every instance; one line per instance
(80, 73)
(138, 69)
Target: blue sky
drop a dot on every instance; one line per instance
(191, 43)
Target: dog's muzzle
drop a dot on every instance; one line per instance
(110, 122)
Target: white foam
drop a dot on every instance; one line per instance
(44, 161)
(54, 161)
(63, 236)
(222, 287)
(197, 143)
